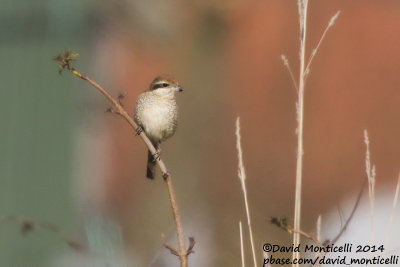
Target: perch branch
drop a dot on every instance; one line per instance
(64, 60)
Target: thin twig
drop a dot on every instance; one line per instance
(283, 224)
(308, 236)
(315, 50)
(242, 178)
(344, 227)
(28, 225)
(346, 224)
(191, 246)
(171, 249)
(286, 64)
(64, 63)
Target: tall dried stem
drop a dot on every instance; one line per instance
(302, 7)
(242, 177)
(371, 175)
(241, 243)
(304, 69)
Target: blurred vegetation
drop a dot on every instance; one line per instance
(36, 123)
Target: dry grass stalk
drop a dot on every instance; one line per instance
(302, 8)
(241, 243)
(304, 70)
(371, 175)
(319, 224)
(242, 178)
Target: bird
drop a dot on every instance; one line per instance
(156, 113)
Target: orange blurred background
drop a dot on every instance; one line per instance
(227, 57)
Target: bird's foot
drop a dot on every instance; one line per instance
(139, 129)
(156, 156)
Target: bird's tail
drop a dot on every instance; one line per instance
(151, 166)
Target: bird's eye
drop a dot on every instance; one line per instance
(165, 84)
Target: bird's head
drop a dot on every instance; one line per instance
(165, 85)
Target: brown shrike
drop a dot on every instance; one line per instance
(156, 113)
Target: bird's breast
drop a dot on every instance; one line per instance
(159, 119)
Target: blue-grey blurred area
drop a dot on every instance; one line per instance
(36, 124)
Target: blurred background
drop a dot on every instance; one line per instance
(67, 162)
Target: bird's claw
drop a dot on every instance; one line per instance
(156, 156)
(139, 129)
